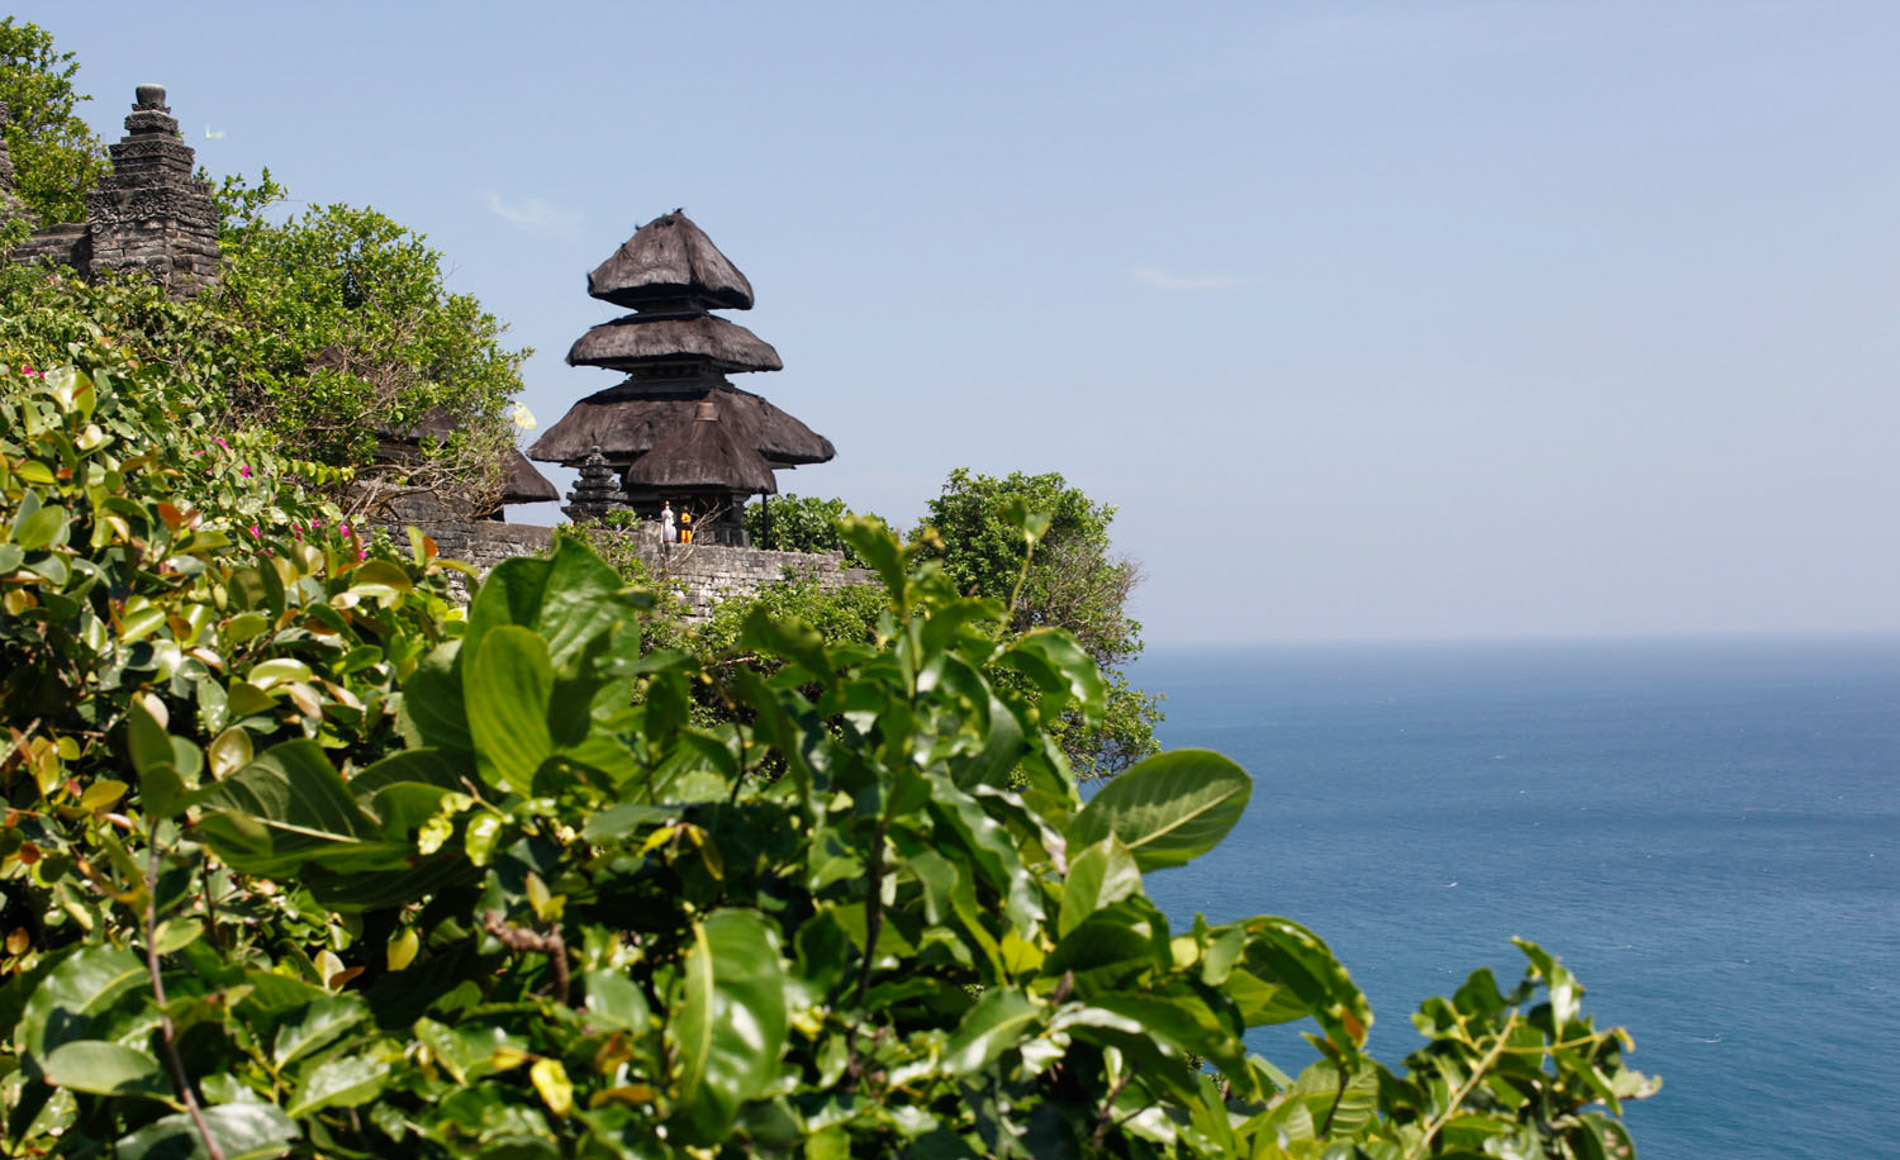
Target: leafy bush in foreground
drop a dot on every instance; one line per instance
(300, 859)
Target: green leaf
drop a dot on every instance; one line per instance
(321, 1022)
(280, 670)
(992, 851)
(876, 546)
(730, 1025)
(41, 528)
(1102, 874)
(289, 808)
(507, 689)
(242, 1132)
(147, 742)
(1063, 670)
(107, 1069)
(1114, 943)
(10, 558)
(1283, 952)
(615, 998)
(1183, 1021)
(1033, 524)
(1003, 1019)
(432, 711)
(90, 980)
(343, 1082)
(569, 599)
(379, 578)
(1002, 751)
(1168, 810)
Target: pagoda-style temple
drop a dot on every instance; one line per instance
(676, 431)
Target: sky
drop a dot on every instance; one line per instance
(1372, 321)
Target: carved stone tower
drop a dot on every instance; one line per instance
(151, 213)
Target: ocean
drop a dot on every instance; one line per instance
(1706, 831)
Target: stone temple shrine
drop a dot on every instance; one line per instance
(675, 433)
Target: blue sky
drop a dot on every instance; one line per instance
(1373, 320)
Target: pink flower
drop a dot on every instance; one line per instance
(219, 440)
(254, 534)
(362, 553)
(343, 528)
(244, 469)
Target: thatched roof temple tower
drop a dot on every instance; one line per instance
(675, 429)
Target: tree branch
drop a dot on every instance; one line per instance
(168, 1034)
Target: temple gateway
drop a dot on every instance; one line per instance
(675, 433)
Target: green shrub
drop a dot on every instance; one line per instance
(305, 859)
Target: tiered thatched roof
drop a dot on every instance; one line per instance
(641, 339)
(631, 419)
(703, 456)
(524, 484)
(677, 354)
(670, 259)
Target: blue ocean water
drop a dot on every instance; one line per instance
(1707, 832)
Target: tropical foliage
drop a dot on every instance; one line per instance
(57, 157)
(801, 523)
(300, 857)
(333, 333)
(348, 340)
(1069, 579)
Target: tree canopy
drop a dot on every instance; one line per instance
(57, 157)
(1070, 579)
(347, 338)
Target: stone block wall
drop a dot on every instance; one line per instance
(711, 573)
(707, 573)
(62, 245)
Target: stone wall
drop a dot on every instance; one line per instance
(707, 573)
(711, 573)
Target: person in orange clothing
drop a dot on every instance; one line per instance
(686, 527)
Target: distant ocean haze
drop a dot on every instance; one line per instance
(1707, 831)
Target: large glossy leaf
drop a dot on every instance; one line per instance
(428, 766)
(1004, 1018)
(93, 1065)
(1062, 669)
(1183, 1021)
(242, 1131)
(507, 688)
(316, 1026)
(1102, 874)
(729, 1027)
(432, 712)
(991, 849)
(1283, 952)
(87, 982)
(289, 808)
(1119, 940)
(1168, 810)
(340, 1082)
(569, 599)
